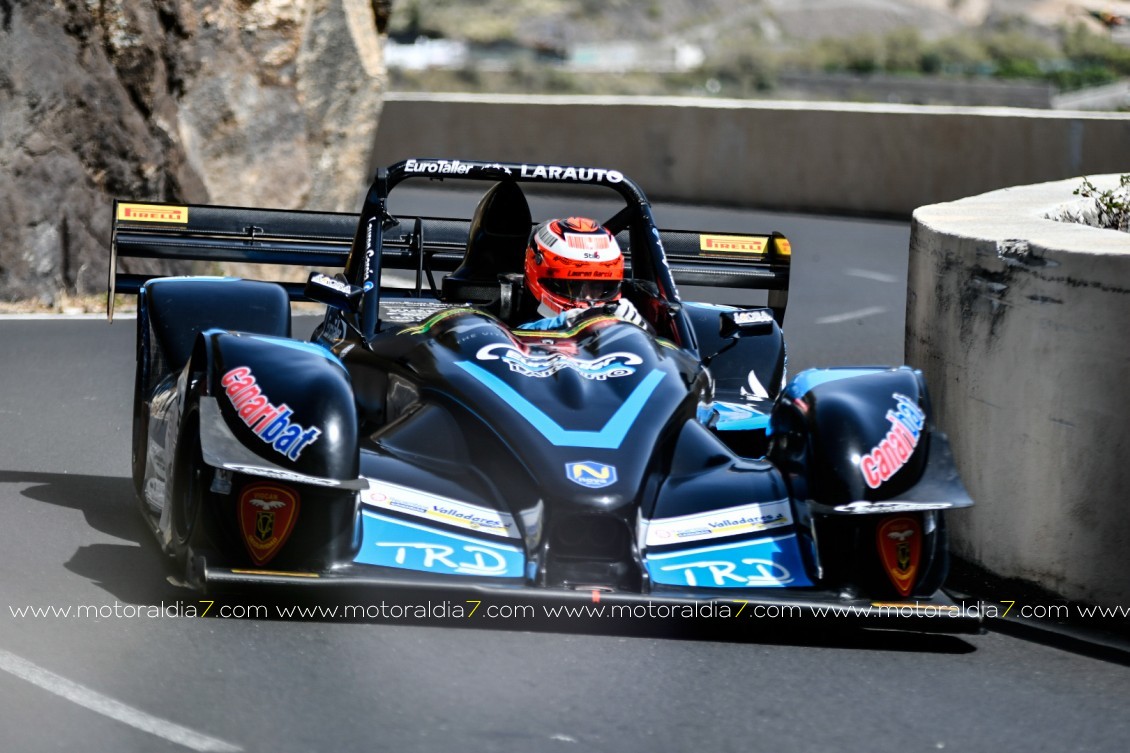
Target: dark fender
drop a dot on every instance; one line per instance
(858, 446)
(171, 312)
(852, 434)
(275, 418)
(177, 309)
(276, 404)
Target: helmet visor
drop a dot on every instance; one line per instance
(585, 291)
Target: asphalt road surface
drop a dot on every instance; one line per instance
(133, 673)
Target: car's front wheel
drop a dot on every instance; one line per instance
(190, 480)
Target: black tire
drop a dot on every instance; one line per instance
(140, 411)
(140, 441)
(190, 480)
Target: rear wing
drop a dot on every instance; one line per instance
(215, 234)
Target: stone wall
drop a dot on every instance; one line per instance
(242, 102)
(1019, 323)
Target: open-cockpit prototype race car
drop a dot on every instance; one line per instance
(419, 443)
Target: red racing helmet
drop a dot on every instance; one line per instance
(573, 263)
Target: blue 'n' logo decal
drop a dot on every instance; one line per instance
(591, 474)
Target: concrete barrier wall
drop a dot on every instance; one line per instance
(870, 159)
(1022, 326)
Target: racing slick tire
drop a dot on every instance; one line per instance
(142, 383)
(190, 494)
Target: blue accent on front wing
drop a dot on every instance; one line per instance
(803, 382)
(397, 543)
(773, 562)
(608, 438)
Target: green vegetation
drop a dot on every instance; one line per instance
(1113, 205)
(740, 62)
(1075, 58)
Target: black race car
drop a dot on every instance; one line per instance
(419, 444)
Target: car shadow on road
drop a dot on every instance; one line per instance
(471, 612)
(135, 572)
(811, 636)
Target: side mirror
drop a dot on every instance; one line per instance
(333, 292)
(732, 324)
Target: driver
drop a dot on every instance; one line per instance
(572, 266)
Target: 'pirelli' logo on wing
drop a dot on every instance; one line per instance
(152, 213)
(731, 244)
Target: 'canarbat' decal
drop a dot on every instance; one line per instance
(895, 449)
(270, 422)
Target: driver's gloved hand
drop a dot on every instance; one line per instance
(624, 309)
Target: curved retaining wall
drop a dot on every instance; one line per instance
(1022, 326)
(839, 157)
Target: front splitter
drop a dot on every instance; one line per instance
(361, 592)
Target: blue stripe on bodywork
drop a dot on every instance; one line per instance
(608, 438)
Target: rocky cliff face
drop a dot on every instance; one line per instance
(267, 103)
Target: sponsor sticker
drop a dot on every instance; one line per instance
(591, 474)
(764, 563)
(753, 316)
(270, 422)
(401, 311)
(433, 507)
(900, 546)
(174, 215)
(332, 283)
(267, 513)
(870, 508)
(397, 543)
(731, 244)
(718, 524)
(542, 365)
(896, 448)
(437, 167)
(579, 174)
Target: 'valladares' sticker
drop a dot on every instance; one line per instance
(718, 524)
(441, 509)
